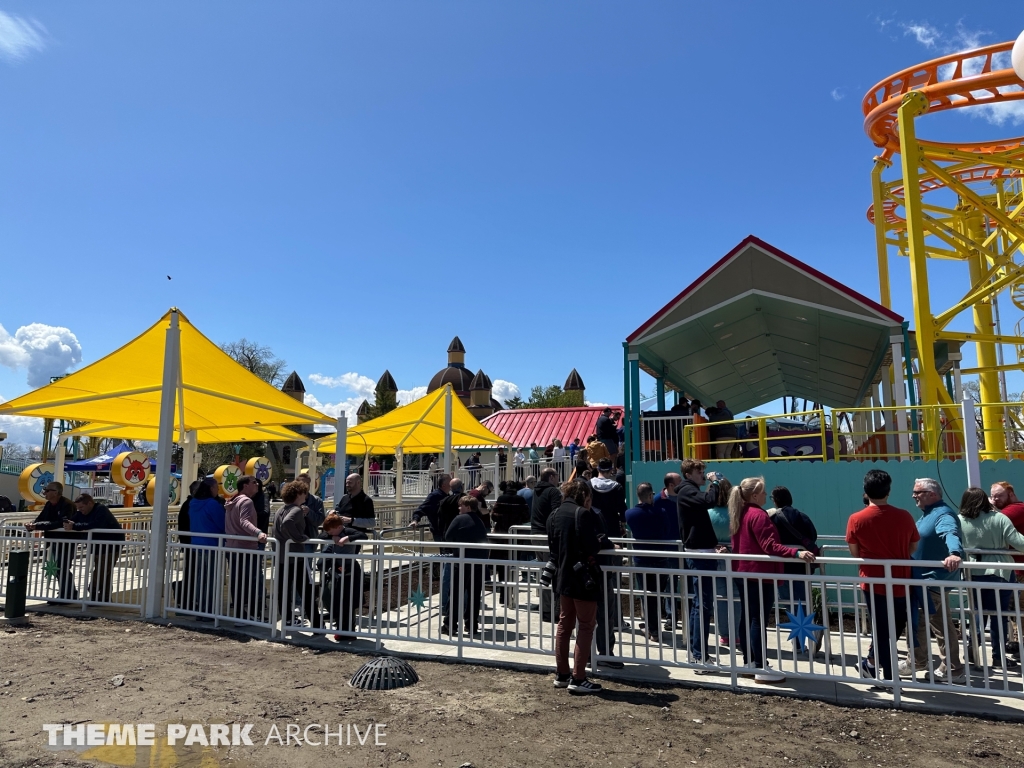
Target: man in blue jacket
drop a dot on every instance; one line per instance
(647, 523)
(430, 508)
(941, 539)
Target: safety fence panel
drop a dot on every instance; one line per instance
(221, 579)
(91, 568)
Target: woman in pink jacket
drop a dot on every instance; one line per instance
(753, 533)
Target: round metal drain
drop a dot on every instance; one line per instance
(384, 673)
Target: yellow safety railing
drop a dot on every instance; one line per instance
(881, 433)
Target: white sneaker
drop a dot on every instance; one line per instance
(748, 669)
(707, 667)
(768, 675)
(907, 669)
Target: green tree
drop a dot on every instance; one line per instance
(552, 396)
(258, 359)
(384, 400)
(514, 402)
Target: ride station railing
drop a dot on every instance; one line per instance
(815, 624)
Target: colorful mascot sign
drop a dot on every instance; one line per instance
(227, 476)
(130, 469)
(173, 490)
(32, 480)
(260, 468)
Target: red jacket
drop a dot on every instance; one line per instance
(757, 536)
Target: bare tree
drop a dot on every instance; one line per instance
(258, 359)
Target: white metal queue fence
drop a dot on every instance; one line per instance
(490, 596)
(661, 437)
(87, 568)
(221, 578)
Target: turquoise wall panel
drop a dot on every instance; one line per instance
(829, 493)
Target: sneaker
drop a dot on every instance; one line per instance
(958, 675)
(612, 664)
(769, 675)
(907, 669)
(725, 642)
(707, 667)
(583, 687)
(868, 670)
(748, 669)
(1013, 648)
(562, 681)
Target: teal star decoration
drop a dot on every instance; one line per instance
(50, 568)
(801, 626)
(418, 598)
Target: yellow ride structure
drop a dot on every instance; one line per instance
(953, 201)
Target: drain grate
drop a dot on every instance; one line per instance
(384, 673)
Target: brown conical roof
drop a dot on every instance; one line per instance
(480, 381)
(574, 383)
(387, 382)
(293, 384)
(456, 345)
(363, 409)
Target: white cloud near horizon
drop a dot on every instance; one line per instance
(43, 350)
(26, 430)
(20, 37)
(502, 390)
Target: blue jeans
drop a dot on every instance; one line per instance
(446, 587)
(988, 601)
(702, 605)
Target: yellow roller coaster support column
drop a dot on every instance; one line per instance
(878, 194)
(991, 418)
(915, 104)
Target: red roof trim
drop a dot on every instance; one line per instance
(791, 260)
(523, 426)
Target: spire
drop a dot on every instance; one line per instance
(456, 353)
(480, 382)
(293, 386)
(387, 382)
(574, 383)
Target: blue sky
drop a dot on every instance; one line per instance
(354, 184)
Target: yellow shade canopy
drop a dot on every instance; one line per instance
(124, 388)
(251, 434)
(415, 428)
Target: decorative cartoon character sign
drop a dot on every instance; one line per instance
(260, 468)
(130, 469)
(32, 480)
(173, 490)
(227, 476)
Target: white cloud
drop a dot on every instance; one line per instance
(406, 396)
(26, 430)
(44, 350)
(19, 37)
(354, 382)
(837, 94)
(502, 390)
(925, 33)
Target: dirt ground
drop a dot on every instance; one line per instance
(64, 670)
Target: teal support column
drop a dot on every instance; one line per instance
(627, 420)
(634, 406)
(675, 397)
(660, 382)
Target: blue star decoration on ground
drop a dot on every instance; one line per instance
(418, 598)
(50, 569)
(801, 626)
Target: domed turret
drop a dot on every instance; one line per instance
(293, 386)
(386, 382)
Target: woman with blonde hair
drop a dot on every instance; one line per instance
(753, 533)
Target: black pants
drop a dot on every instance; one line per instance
(607, 614)
(103, 560)
(879, 607)
(346, 594)
(467, 585)
(246, 584)
(759, 601)
(295, 585)
(62, 553)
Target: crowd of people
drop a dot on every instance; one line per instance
(700, 513)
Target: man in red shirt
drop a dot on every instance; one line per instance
(883, 532)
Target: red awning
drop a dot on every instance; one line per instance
(523, 426)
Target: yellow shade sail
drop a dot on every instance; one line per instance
(124, 389)
(415, 428)
(253, 434)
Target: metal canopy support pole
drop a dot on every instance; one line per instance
(660, 383)
(971, 443)
(627, 420)
(634, 407)
(448, 430)
(340, 457)
(58, 460)
(890, 442)
(312, 466)
(165, 441)
(399, 478)
(900, 397)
